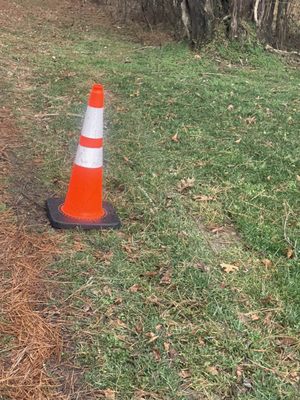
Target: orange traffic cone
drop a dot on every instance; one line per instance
(83, 206)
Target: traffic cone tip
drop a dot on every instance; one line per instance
(96, 98)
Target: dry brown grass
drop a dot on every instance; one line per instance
(30, 338)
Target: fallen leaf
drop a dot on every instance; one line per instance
(150, 274)
(239, 371)
(238, 141)
(131, 251)
(152, 337)
(217, 229)
(287, 341)
(128, 248)
(135, 288)
(167, 346)
(109, 394)
(122, 338)
(175, 138)
(107, 290)
(110, 311)
(197, 57)
(139, 328)
(254, 317)
(298, 178)
(118, 301)
(166, 278)
(213, 370)
(185, 373)
(156, 354)
(201, 342)
(172, 354)
(294, 376)
(267, 263)
(186, 183)
(117, 323)
(153, 300)
(290, 253)
(268, 319)
(230, 107)
(203, 197)
(229, 268)
(250, 120)
(104, 257)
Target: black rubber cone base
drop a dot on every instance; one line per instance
(60, 221)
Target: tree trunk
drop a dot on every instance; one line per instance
(266, 22)
(281, 22)
(235, 16)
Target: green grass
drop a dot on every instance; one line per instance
(236, 113)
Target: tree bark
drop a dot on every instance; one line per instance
(235, 15)
(281, 22)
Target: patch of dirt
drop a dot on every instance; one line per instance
(7, 142)
(20, 189)
(219, 238)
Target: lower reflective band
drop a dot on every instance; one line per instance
(88, 157)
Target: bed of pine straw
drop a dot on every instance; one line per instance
(25, 327)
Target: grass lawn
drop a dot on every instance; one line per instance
(197, 296)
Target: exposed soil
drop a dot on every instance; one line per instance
(219, 238)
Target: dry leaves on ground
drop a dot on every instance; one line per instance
(166, 278)
(213, 370)
(203, 197)
(175, 138)
(185, 373)
(186, 183)
(290, 253)
(267, 263)
(135, 288)
(152, 337)
(229, 267)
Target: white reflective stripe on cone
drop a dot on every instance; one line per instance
(88, 157)
(93, 123)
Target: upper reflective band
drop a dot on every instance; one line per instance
(93, 123)
(88, 157)
(88, 142)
